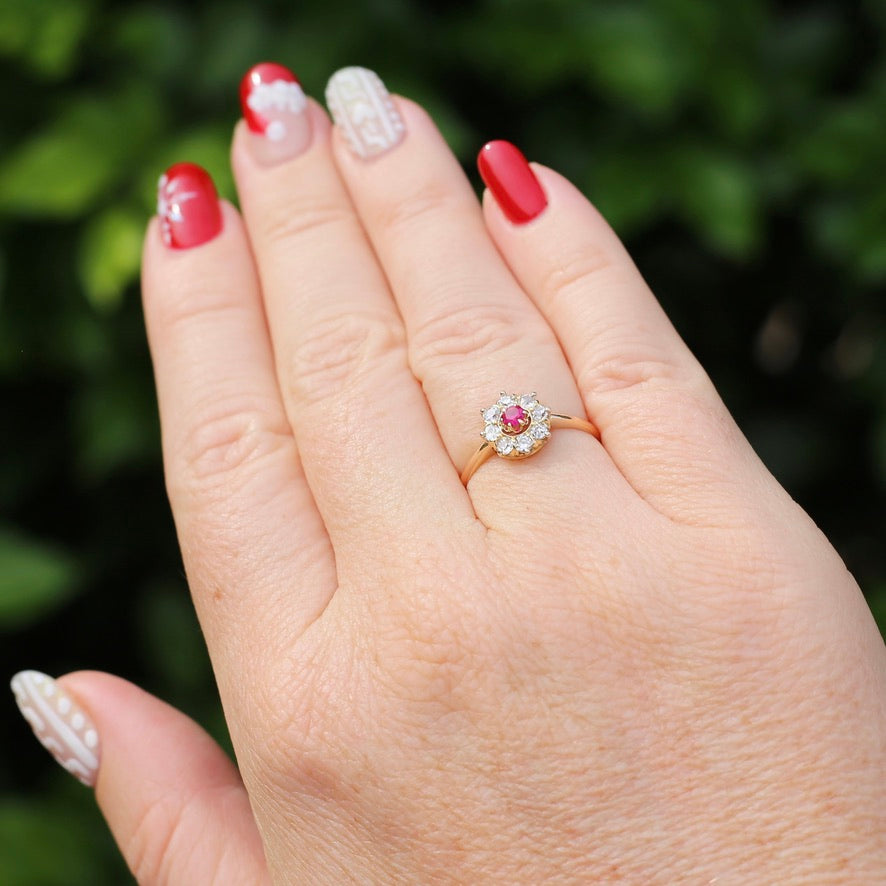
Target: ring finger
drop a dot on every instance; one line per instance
(471, 329)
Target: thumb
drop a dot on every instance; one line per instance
(172, 798)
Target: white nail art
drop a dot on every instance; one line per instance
(363, 110)
(59, 724)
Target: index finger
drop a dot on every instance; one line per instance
(257, 555)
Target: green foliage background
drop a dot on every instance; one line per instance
(738, 146)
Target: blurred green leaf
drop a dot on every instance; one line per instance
(44, 34)
(70, 164)
(110, 254)
(35, 578)
(155, 39)
(718, 194)
(853, 230)
(635, 55)
(47, 844)
(169, 622)
(114, 425)
(628, 187)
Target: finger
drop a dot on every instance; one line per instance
(371, 453)
(661, 420)
(245, 517)
(472, 331)
(172, 799)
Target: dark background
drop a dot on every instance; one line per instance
(738, 146)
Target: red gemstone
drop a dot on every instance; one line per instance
(513, 419)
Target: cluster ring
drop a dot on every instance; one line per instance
(517, 426)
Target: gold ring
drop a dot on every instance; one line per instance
(517, 426)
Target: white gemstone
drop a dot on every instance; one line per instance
(506, 400)
(504, 445)
(528, 401)
(539, 431)
(492, 433)
(492, 414)
(540, 413)
(523, 443)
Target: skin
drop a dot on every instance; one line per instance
(635, 661)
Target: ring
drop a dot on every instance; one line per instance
(517, 426)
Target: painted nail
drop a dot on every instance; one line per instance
(274, 108)
(511, 180)
(364, 111)
(187, 204)
(59, 723)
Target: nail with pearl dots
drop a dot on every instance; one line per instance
(59, 723)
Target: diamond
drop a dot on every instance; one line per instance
(540, 431)
(506, 400)
(492, 432)
(492, 414)
(528, 401)
(540, 413)
(523, 443)
(504, 446)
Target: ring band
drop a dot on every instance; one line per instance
(517, 426)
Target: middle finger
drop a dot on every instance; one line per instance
(361, 424)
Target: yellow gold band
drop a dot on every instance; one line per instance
(553, 420)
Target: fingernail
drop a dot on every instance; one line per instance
(275, 110)
(59, 723)
(187, 204)
(511, 181)
(362, 108)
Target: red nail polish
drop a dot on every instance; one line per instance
(187, 204)
(511, 180)
(268, 94)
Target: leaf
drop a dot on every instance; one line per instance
(720, 196)
(66, 167)
(43, 843)
(35, 578)
(109, 256)
(637, 56)
(168, 621)
(44, 34)
(114, 423)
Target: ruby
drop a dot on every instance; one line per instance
(514, 419)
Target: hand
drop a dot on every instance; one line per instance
(628, 660)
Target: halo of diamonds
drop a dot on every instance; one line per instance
(516, 425)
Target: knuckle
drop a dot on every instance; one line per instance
(283, 223)
(625, 372)
(228, 438)
(467, 332)
(425, 202)
(575, 271)
(629, 359)
(199, 300)
(334, 352)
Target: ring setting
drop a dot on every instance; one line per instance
(517, 426)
